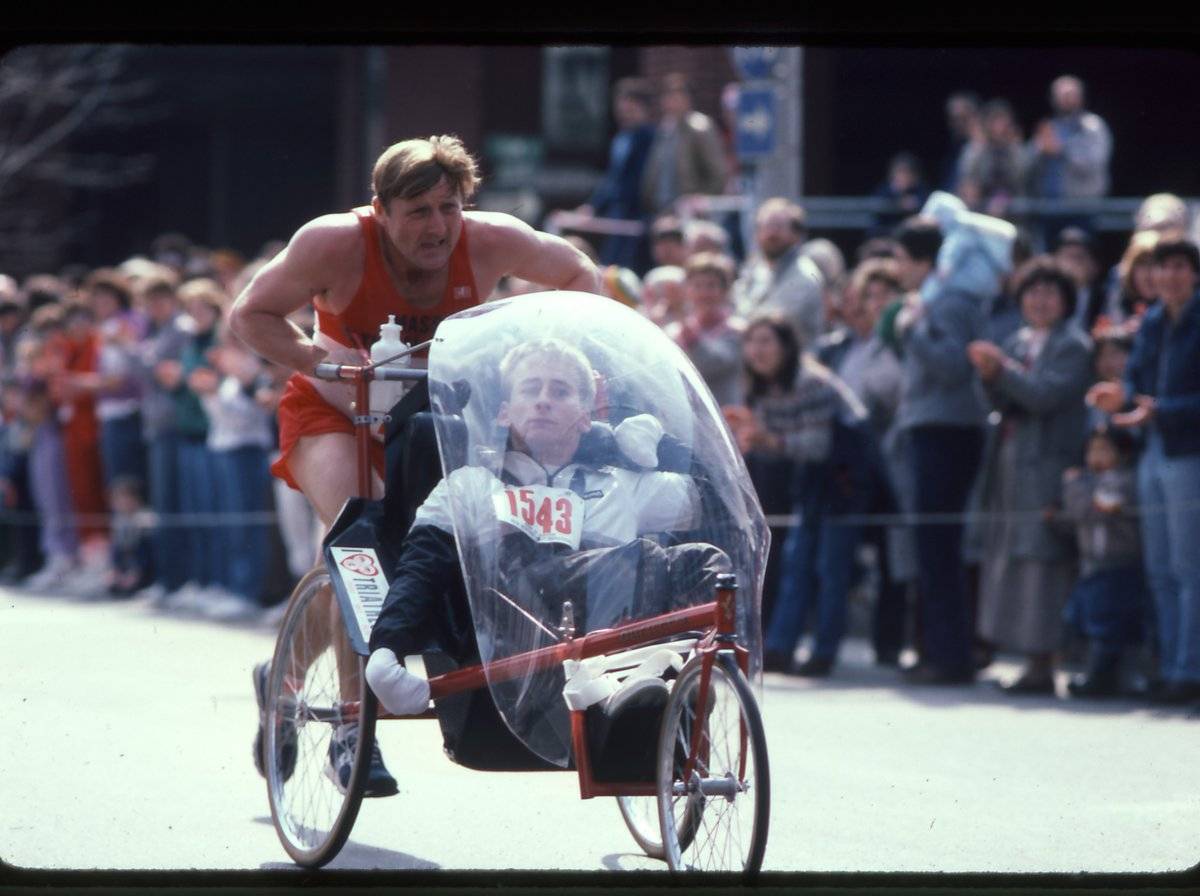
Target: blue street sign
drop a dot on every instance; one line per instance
(754, 136)
(755, 63)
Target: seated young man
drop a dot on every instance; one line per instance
(595, 553)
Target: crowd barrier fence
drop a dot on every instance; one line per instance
(262, 518)
(1111, 214)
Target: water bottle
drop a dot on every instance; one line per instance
(385, 393)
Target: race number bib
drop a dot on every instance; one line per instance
(545, 514)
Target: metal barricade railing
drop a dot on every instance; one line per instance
(1112, 214)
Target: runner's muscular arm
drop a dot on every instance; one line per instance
(508, 245)
(314, 265)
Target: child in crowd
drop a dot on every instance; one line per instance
(1112, 347)
(131, 552)
(1108, 602)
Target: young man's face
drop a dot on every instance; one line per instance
(425, 229)
(1174, 279)
(545, 411)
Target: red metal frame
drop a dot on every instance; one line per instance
(362, 432)
(717, 618)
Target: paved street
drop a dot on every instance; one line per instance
(127, 736)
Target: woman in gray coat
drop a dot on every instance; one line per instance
(1037, 382)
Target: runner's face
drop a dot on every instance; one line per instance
(425, 229)
(545, 412)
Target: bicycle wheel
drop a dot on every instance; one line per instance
(641, 817)
(309, 693)
(725, 802)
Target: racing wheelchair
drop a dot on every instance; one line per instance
(652, 704)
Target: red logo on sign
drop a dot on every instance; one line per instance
(361, 564)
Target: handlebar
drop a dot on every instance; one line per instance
(327, 370)
(377, 370)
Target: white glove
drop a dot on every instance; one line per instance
(638, 437)
(400, 692)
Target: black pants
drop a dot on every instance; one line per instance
(946, 460)
(607, 586)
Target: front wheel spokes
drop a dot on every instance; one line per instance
(314, 687)
(717, 732)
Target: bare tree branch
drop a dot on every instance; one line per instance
(49, 94)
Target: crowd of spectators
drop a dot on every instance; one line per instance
(1000, 447)
(999, 421)
(136, 437)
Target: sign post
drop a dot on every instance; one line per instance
(768, 136)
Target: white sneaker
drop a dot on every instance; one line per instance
(52, 576)
(186, 597)
(84, 582)
(222, 605)
(153, 594)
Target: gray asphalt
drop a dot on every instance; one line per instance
(127, 733)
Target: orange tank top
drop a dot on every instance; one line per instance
(377, 296)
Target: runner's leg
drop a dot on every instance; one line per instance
(324, 466)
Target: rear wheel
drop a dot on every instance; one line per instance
(313, 688)
(641, 817)
(724, 802)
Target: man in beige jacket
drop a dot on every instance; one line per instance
(686, 157)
